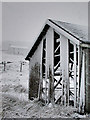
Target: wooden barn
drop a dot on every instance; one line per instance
(59, 67)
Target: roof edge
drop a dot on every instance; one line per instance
(37, 42)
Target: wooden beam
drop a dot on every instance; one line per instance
(67, 79)
(46, 74)
(85, 45)
(78, 79)
(55, 67)
(57, 55)
(75, 77)
(64, 58)
(87, 83)
(55, 80)
(57, 48)
(52, 84)
(41, 79)
(58, 83)
(72, 60)
(50, 52)
(82, 86)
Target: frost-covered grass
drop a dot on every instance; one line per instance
(15, 102)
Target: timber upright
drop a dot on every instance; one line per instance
(59, 65)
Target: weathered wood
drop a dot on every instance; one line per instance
(52, 71)
(51, 92)
(57, 55)
(58, 83)
(40, 85)
(85, 45)
(21, 64)
(55, 67)
(50, 64)
(57, 74)
(46, 75)
(57, 48)
(55, 80)
(78, 79)
(41, 79)
(75, 77)
(87, 108)
(82, 86)
(64, 49)
(34, 81)
(4, 63)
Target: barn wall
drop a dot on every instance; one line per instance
(88, 80)
(35, 66)
(34, 73)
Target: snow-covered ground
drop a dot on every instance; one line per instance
(15, 102)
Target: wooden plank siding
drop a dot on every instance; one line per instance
(34, 73)
(88, 80)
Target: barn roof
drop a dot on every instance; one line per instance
(77, 31)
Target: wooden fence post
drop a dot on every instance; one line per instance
(21, 66)
(4, 63)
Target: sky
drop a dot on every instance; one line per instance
(23, 21)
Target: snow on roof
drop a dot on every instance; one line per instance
(77, 30)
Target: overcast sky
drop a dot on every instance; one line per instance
(23, 21)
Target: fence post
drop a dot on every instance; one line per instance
(21, 66)
(4, 63)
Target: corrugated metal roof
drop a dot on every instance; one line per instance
(79, 31)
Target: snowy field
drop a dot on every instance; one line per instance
(14, 101)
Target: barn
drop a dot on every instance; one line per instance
(59, 65)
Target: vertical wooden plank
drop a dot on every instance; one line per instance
(29, 80)
(78, 79)
(82, 84)
(64, 87)
(41, 79)
(4, 63)
(48, 97)
(67, 84)
(82, 89)
(52, 72)
(62, 68)
(88, 80)
(65, 69)
(46, 76)
(50, 63)
(75, 77)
